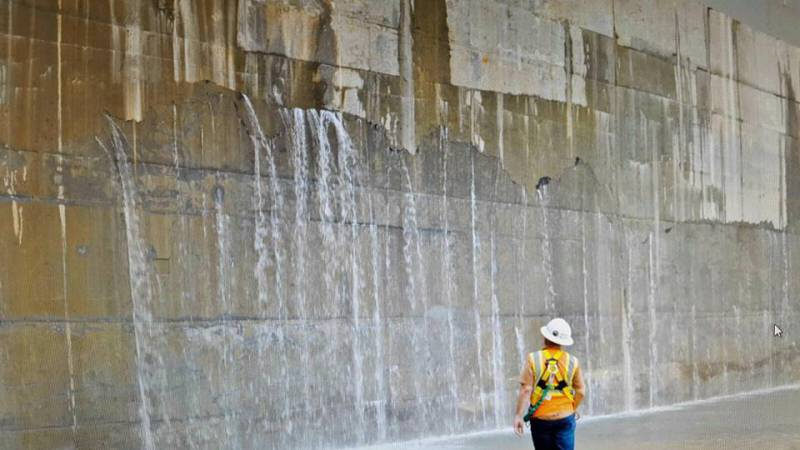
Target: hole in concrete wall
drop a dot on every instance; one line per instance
(544, 181)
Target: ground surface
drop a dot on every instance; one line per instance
(759, 421)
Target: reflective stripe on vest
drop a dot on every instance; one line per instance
(570, 368)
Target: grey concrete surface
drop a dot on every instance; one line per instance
(777, 18)
(767, 420)
(255, 242)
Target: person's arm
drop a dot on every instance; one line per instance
(523, 399)
(580, 389)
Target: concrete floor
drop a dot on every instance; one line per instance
(770, 420)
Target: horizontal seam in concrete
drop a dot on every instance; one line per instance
(366, 320)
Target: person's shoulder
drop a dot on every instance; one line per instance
(535, 356)
(574, 359)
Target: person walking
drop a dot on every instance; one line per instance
(551, 389)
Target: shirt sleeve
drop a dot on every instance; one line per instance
(577, 380)
(526, 377)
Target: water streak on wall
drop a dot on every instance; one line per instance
(247, 247)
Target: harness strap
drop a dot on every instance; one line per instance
(551, 378)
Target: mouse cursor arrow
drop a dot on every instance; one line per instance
(776, 330)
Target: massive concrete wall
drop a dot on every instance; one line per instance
(202, 309)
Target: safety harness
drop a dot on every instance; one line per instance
(553, 381)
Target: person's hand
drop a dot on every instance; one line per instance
(519, 425)
(577, 415)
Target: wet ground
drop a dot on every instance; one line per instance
(768, 420)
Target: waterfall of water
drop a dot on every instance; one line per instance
(377, 323)
(785, 308)
(295, 122)
(387, 258)
(547, 253)
(651, 308)
(223, 295)
(139, 273)
(348, 164)
(343, 266)
(585, 278)
(270, 248)
(627, 327)
(449, 287)
(327, 253)
(476, 255)
(260, 245)
(322, 331)
(500, 407)
(259, 206)
(176, 162)
(695, 371)
(519, 327)
(415, 274)
(325, 197)
(497, 333)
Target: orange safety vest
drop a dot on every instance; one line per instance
(550, 376)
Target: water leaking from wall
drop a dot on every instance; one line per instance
(383, 300)
(325, 178)
(140, 280)
(296, 283)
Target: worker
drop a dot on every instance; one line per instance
(551, 389)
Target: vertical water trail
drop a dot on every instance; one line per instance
(784, 316)
(737, 318)
(261, 220)
(452, 370)
(294, 120)
(328, 252)
(603, 301)
(766, 326)
(273, 235)
(695, 371)
(175, 156)
(324, 193)
(62, 221)
(188, 352)
(725, 380)
(497, 341)
(769, 313)
(731, 155)
(17, 218)
(497, 336)
(421, 273)
(415, 273)
(139, 277)
(651, 308)
(627, 328)
(586, 328)
(654, 258)
(387, 259)
(519, 329)
(410, 238)
(223, 294)
(347, 162)
(547, 254)
(377, 324)
(62, 216)
(476, 308)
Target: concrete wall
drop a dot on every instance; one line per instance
(228, 312)
(774, 17)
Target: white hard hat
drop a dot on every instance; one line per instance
(558, 331)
